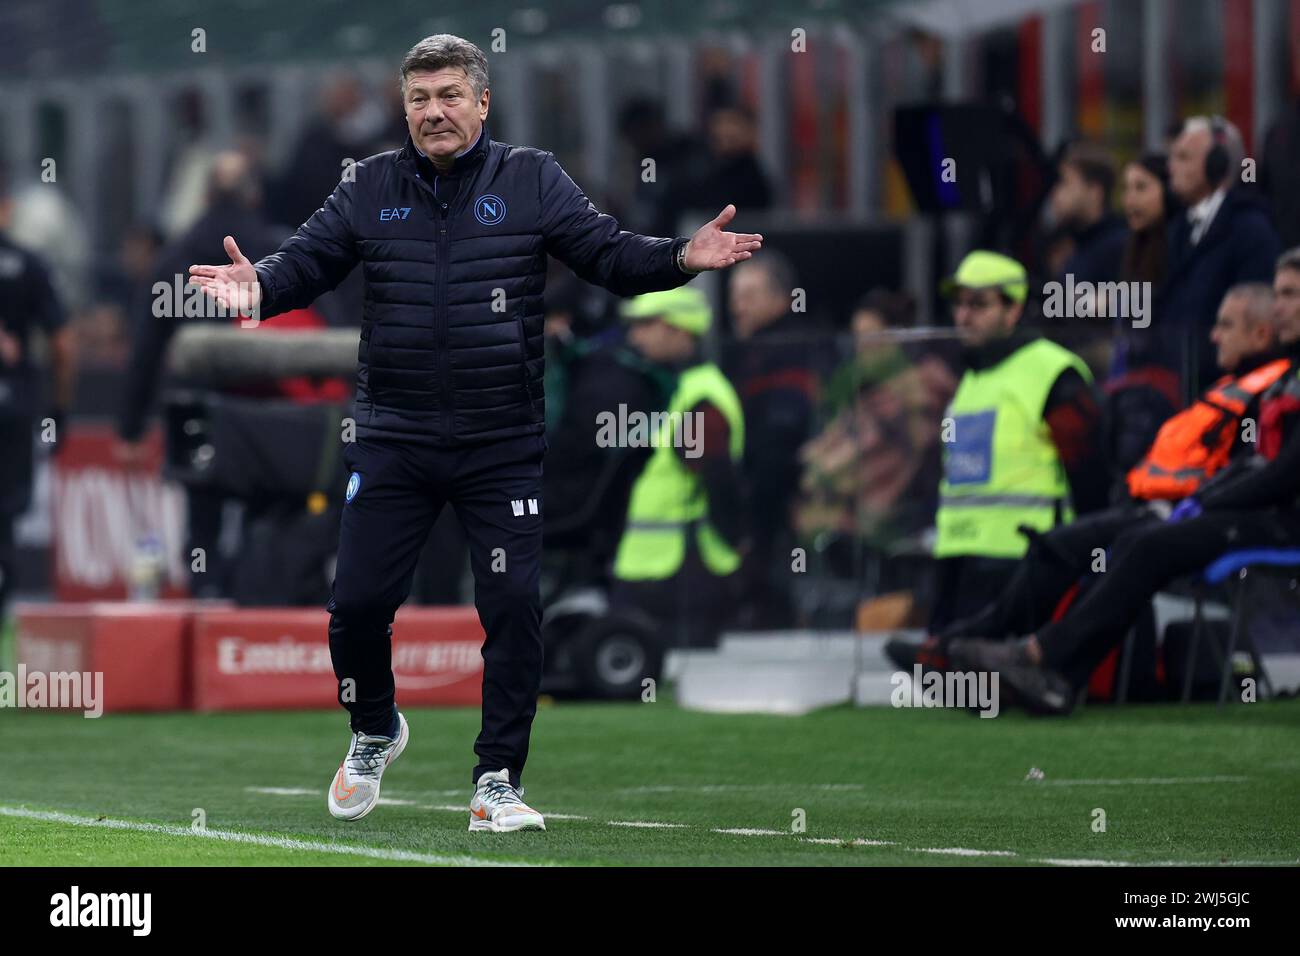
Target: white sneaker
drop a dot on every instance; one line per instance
(355, 788)
(499, 807)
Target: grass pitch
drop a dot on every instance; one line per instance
(653, 784)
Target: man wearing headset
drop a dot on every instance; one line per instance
(1224, 239)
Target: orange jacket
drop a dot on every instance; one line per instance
(1197, 442)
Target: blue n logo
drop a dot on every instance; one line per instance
(489, 209)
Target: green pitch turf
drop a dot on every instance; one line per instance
(1177, 785)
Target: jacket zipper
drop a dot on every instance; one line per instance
(439, 282)
(440, 317)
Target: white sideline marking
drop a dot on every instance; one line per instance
(647, 824)
(464, 808)
(304, 791)
(959, 851)
(1055, 862)
(742, 788)
(1144, 781)
(1221, 863)
(255, 839)
(386, 801)
(836, 841)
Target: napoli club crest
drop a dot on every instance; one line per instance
(489, 209)
(354, 485)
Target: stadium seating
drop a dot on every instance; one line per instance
(1239, 564)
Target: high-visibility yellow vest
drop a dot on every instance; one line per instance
(668, 501)
(1001, 469)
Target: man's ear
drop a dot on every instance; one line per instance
(483, 103)
(1014, 315)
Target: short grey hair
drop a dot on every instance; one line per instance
(1289, 260)
(1258, 298)
(1232, 141)
(445, 51)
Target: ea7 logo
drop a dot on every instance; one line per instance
(517, 506)
(395, 212)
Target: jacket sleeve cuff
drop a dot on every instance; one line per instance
(674, 252)
(268, 306)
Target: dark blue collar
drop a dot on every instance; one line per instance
(470, 157)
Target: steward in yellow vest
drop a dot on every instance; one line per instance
(1004, 457)
(683, 515)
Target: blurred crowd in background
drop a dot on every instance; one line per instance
(842, 403)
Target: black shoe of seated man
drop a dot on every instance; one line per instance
(906, 654)
(1037, 689)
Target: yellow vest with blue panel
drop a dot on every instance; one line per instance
(1001, 469)
(668, 501)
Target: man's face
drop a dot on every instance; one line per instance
(754, 301)
(731, 133)
(1286, 305)
(1071, 199)
(1235, 337)
(1187, 166)
(868, 329)
(981, 316)
(660, 342)
(442, 113)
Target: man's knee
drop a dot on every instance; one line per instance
(362, 603)
(1139, 547)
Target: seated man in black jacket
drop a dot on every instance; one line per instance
(1253, 503)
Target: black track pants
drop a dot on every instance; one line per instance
(496, 489)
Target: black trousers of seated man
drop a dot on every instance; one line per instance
(1143, 560)
(402, 489)
(1056, 560)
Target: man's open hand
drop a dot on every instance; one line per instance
(235, 286)
(711, 248)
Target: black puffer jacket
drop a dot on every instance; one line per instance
(455, 264)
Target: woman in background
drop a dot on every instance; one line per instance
(1140, 393)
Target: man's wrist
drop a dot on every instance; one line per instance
(680, 258)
